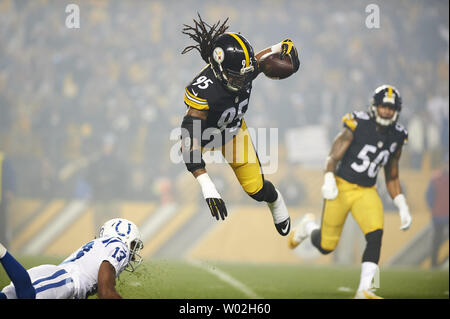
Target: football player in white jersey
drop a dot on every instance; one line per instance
(93, 268)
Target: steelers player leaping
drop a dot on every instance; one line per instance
(216, 101)
(368, 141)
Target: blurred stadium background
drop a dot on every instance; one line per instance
(86, 115)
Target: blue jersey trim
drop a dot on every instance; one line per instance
(55, 275)
(54, 285)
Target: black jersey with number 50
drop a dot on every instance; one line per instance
(226, 109)
(369, 150)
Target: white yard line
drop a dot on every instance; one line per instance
(225, 278)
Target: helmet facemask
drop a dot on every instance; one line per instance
(238, 81)
(381, 120)
(135, 259)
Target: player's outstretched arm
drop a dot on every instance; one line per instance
(391, 174)
(192, 156)
(340, 145)
(107, 282)
(192, 126)
(393, 186)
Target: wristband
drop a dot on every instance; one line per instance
(191, 129)
(400, 201)
(276, 48)
(208, 188)
(329, 178)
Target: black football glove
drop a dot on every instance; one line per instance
(217, 207)
(211, 195)
(288, 48)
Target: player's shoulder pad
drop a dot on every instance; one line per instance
(352, 119)
(200, 90)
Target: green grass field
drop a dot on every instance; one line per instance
(170, 279)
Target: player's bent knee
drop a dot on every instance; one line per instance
(267, 193)
(373, 246)
(258, 196)
(325, 249)
(316, 239)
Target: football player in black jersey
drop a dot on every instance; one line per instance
(216, 101)
(368, 141)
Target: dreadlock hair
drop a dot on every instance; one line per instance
(205, 36)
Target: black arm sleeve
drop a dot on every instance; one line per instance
(191, 131)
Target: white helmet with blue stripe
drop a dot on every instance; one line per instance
(128, 233)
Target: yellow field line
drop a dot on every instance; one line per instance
(442, 255)
(47, 214)
(79, 232)
(23, 209)
(137, 212)
(83, 229)
(162, 236)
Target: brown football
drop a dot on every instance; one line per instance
(276, 68)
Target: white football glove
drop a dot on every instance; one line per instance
(405, 216)
(329, 187)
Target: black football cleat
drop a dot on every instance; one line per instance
(284, 227)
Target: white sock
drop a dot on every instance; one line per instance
(310, 227)
(279, 209)
(2, 251)
(368, 270)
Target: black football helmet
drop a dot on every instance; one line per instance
(386, 95)
(233, 61)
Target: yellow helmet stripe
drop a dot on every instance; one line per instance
(389, 92)
(238, 39)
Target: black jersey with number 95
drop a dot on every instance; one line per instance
(226, 109)
(370, 149)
